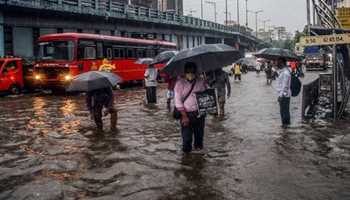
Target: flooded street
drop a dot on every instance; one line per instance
(49, 150)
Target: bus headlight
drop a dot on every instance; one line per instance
(67, 77)
(37, 77)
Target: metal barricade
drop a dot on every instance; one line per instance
(310, 98)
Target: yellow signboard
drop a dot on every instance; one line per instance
(343, 15)
(325, 40)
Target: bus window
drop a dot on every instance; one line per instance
(109, 53)
(140, 53)
(118, 53)
(86, 49)
(89, 53)
(150, 53)
(99, 46)
(56, 50)
(130, 53)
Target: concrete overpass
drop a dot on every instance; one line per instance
(23, 21)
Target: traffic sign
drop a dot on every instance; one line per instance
(325, 40)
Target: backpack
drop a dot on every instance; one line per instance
(295, 85)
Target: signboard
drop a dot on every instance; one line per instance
(207, 101)
(343, 16)
(325, 40)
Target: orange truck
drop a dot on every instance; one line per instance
(15, 75)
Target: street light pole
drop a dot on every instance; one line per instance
(264, 21)
(238, 12)
(214, 4)
(201, 9)
(335, 71)
(246, 13)
(229, 16)
(256, 20)
(226, 10)
(308, 16)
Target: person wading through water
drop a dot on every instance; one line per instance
(151, 75)
(98, 99)
(192, 125)
(284, 91)
(221, 82)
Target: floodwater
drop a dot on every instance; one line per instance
(50, 150)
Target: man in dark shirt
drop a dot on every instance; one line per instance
(96, 100)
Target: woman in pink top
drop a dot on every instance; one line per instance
(191, 123)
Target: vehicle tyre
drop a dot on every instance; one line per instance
(15, 89)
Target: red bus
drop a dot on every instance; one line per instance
(62, 56)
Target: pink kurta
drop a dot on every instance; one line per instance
(182, 88)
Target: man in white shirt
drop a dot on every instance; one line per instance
(284, 91)
(151, 75)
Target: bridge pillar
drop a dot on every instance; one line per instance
(23, 42)
(2, 41)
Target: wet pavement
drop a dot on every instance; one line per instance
(49, 150)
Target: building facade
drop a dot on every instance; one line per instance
(173, 6)
(145, 3)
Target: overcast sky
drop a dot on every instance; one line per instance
(288, 13)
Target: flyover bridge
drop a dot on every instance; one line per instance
(23, 21)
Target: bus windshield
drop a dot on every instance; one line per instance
(56, 50)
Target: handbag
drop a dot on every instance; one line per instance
(177, 113)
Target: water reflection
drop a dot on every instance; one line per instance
(40, 115)
(247, 155)
(71, 122)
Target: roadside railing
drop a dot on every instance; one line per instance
(114, 9)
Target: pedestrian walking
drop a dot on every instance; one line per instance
(170, 93)
(258, 68)
(221, 83)
(151, 75)
(284, 91)
(192, 124)
(98, 99)
(269, 73)
(237, 71)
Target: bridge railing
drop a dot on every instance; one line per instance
(118, 10)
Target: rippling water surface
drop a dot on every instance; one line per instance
(48, 147)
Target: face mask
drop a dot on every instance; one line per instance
(190, 76)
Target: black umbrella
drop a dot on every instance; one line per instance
(276, 53)
(164, 57)
(207, 57)
(93, 80)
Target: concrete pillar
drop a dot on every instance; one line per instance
(23, 42)
(174, 39)
(2, 39)
(187, 42)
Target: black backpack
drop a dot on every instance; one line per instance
(295, 85)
